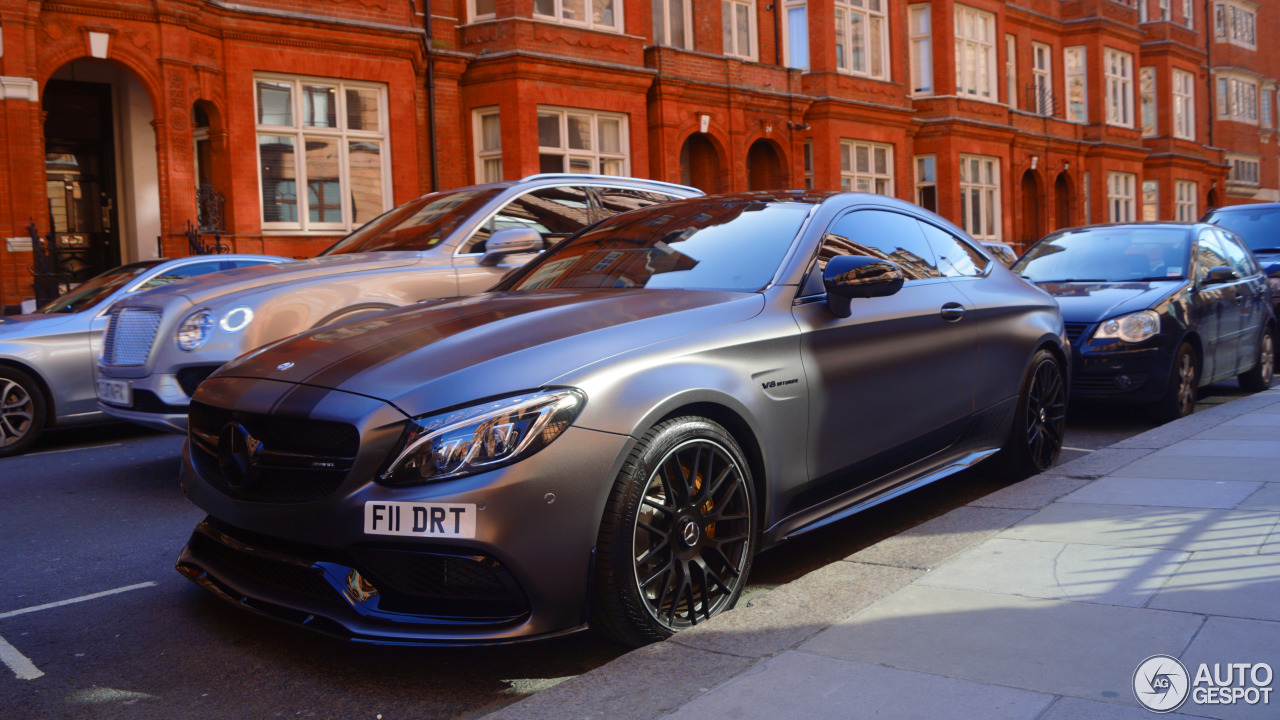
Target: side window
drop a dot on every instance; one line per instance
(1240, 258)
(237, 264)
(878, 234)
(555, 212)
(181, 273)
(619, 200)
(1209, 254)
(956, 258)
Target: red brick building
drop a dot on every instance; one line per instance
(311, 116)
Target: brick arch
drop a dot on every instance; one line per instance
(710, 178)
(769, 169)
(72, 48)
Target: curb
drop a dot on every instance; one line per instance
(658, 679)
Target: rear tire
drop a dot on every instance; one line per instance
(23, 411)
(1184, 381)
(678, 533)
(1039, 421)
(1259, 378)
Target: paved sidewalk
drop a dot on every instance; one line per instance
(1038, 601)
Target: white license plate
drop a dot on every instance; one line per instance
(412, 519)
(115, 392)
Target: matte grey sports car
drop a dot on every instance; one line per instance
(610, 434)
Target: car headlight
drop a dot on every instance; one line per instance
(1133, 328)
(195, 329)
(482, 437)
(237, 319)
(1274, 284)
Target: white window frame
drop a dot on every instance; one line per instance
(1188, 14)
(923, 164)
(1121, 196)
(1237, 97)
(558, 11)
(987, 223)
(1166, 13)
(474, 16)
(1184, 201)
(1266, 106)
(850, 175)
(728, 20)
(662, 36)
(1243, 169)
(1236, 22)
(1150, 200)
(920, 15)
(808, 163)
(1042, 78)
(1148, 111)
(595, 155)
(484, 155)
(787, 9)
(1184, 105)
(1076, 77)
(299, 131)
(1118, 69)
(1143, 15)
(975, 56)
(1011, 69)
(872, 13)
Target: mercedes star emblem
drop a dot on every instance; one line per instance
(284, 366)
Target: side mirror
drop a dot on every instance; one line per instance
(858, 276)
(510, 241)
(1220, 275)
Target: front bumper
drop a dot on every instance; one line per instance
(524, 575)
(1126, 376)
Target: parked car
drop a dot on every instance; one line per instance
(46, 357)
(1259, 226)
(1155, 311)
(159, 347)
(611, 433)
(1001, 251)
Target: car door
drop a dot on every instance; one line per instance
(892, 383)
(1216, 305)
(1250, 299)
(555, 212)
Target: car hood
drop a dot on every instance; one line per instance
(204, 288)
(16, 327)
(435, 355)
(1087, 302)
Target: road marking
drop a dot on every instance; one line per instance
(82, 598)
(17, 662)
(1065, 447)
(76, 449)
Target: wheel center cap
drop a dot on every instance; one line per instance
(690, 533)
(1044, 416)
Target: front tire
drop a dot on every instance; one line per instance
(1259, 378)
(1040, 419)
(23, 411)
(678, 533)
(1184, 381)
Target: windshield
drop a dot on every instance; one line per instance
(1108, 254)
(91, 291)
(696, 246)
(418, 225)
(1260, 229)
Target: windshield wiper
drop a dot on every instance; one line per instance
(1155, 278)
(1266, 250)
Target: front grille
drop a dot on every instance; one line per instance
(1075, 331)
(286, 468)
(273, 573)
(130, 332)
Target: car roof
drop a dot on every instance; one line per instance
(1246, 207)
(620, 180)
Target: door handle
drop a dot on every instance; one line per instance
(952, 312)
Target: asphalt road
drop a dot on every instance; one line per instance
(92, 519)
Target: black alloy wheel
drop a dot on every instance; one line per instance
(1259, 378)
(1040, 420)
(1184, 381)
(22, 411)
(678, 535)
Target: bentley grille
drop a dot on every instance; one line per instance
(130, 332)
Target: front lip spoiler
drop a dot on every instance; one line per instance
(317, 621)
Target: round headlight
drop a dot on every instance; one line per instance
(237, 319)
(195, 330)
(1133, 328)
